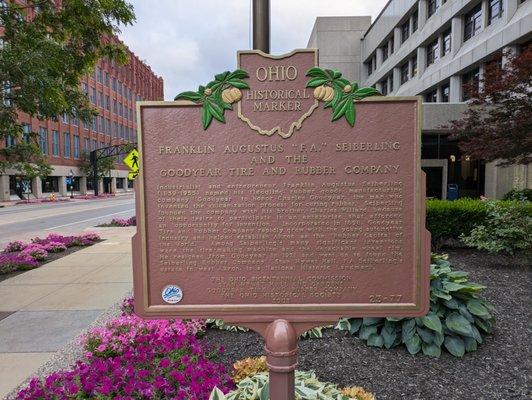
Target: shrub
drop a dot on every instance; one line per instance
(135, 359)
(507, 228)
(457, 319)
(248, 367)
(54, 247)
(35, 251)
(519, 194)
(450, 219)
(11, 247)
(10, 262)
(121, 222)
(307, 387)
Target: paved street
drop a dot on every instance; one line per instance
(27, 221)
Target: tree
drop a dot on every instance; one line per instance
(498, 122)
(104, 166)
(43, 57)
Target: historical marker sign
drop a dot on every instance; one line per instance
(277, 211)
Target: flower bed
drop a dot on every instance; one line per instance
(20, 256)
(120, 222)
(132, 358)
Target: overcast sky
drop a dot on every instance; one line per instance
(187, 42)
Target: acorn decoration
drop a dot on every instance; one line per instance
(348, 88)
(324, 93)
(208, 91)
(231, 95)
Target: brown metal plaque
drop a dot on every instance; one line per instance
(308, 222)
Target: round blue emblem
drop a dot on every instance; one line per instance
(172, 294)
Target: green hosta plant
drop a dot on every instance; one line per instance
(220, 324)
(218, 95)
(507, 228)
(256, 387)
(337, 92)
(457, 319)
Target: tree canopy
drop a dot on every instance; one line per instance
(47, 48)
(498, 122)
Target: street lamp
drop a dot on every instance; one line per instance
(71, 176)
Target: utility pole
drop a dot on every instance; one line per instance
(261, 25)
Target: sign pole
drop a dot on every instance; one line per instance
(281, 358)
(281, 338)
(261, 25)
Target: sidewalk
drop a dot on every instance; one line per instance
(61, 199)
(43, 309)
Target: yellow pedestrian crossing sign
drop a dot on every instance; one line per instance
(132, 161)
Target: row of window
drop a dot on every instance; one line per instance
(97, 98)
(119, 87)
(440, 46)
(69, 148)
(469, 80)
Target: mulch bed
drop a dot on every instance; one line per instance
(51, 257)
(497, 370)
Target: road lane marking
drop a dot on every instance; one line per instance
(55, 212)
(87, 220)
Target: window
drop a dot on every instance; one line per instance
(94, 144)
(384, 87)
(85, 88)
(99, 74)
(414, 66)
(93, 96)
(415, 21)
(405, 31)
(432, 52)
(446, 42)
(434, 5)
(371, 64)
(121, 131)
(431, 97)
(120, 109)
(65, 118)
(445, 93)
(107, 103)
(385, 50)
(404, 73)
(26, 132)
(76, 146)
(108, 127)
(8, 102)
(115, 129)
(10, 141)
(100, 99)
(115, 107)
(470, 81)
(55, 143)
(86, 145)
(473, 22)
(94, 127)
(43, 140)
(106, 78)
(119, 88)
(66, 145)
(495, 10)
(114, 84)
(391, 46)
(101, 122)
(391, 82)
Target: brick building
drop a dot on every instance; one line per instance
(113, 90)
